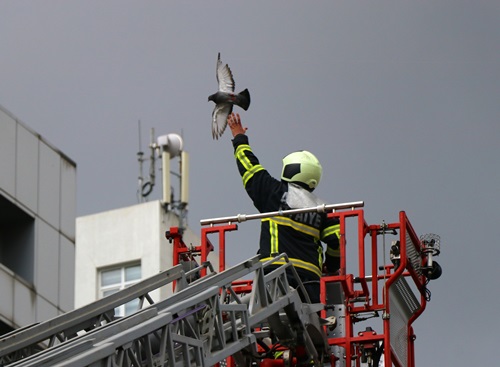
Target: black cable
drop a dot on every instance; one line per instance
(427, 291)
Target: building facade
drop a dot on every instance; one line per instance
(52, 262)
(119, 247)
(37, 226)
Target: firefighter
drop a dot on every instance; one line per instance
(297, 235)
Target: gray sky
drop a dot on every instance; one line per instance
(399, 101)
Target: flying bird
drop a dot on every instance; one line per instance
(225, 98)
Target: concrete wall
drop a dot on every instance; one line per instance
(122, 236)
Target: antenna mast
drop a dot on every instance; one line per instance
(166, 147)
(140, 159)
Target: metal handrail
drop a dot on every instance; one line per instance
(320, 209)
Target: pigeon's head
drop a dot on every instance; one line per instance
(211, 97)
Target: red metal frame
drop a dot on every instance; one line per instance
(181, 249)
(376, 297)
(221, 230)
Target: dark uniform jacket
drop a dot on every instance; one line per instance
(297, 235)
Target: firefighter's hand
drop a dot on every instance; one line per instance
(234, 122)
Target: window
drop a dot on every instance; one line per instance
(114, 279)
(17, 239)
(4, 328)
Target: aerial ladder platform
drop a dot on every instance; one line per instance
(243, 315)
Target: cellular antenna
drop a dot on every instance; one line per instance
(145, 188)
(140, 159)
(166, 148)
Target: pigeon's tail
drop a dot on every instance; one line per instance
(243, 99)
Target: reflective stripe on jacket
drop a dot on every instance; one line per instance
(298, 235)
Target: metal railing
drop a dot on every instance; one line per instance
(325, 208)
(36, 338)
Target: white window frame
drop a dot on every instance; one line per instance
(106, 290)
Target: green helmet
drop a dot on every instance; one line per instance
(303, 168)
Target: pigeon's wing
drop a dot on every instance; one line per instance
(219, 118)
(224, 77)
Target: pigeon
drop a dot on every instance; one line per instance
(225, 98)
